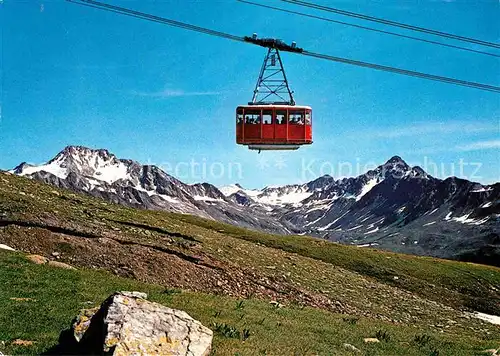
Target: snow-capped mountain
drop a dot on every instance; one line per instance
(102, 174)
(270, 196)
(394, 206)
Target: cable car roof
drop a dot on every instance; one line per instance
(274, 106)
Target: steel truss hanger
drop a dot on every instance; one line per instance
(272, 82)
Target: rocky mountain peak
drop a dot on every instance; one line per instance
(21, 167)
(395, 159)
(418, 172)
(84, 156)
(395, 167)
(320, 184)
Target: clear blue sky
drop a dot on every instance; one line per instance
(73, 75)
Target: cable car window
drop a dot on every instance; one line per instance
(239, 116)
(281, 117)
(308, 118)
(252, 116)
(296, 117)
(267, 117)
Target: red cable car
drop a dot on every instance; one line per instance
(273, 125)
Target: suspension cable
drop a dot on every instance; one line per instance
(149, 17)
(368, 28)
(392, 23)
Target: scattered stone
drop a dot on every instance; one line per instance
(55, 254)
(5, 247)
(19, 342)
(55, 192)
(127, 324)
(39, 260)
(492, 352)
(351, 348)
(396, 278)
(371, 340)
(23, 299)
(276, 304)
(60, 265)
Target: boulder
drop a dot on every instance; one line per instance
(20, 342)
(351, 348)
(82, 322)
(5, 247)
(128, 324)
(491, 352)
(39, 260)
(60, 265)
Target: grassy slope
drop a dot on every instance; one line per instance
(472, 285)
(58, 294)
(360, 280)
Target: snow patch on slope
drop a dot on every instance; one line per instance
(333, 222)
(432, 212)
(52, 168)
(230, 189)
(291, 198)
(481, 190)
(169, 199)
(235, 188)
(464, 219)
(203, 198)
(371, 231)
(110, 173)
(355, 228)
(367, 187)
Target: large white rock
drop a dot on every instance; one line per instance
(5, 247)
(128, 324)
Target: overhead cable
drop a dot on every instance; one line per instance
(368, 28)
(392, 23)
(149, 17)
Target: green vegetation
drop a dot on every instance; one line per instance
(457, 283)
(260, 293)
(55, 296)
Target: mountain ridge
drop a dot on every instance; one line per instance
(393, 206)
